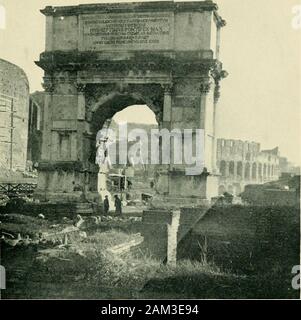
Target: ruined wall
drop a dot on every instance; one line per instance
(14, 103)
(262, 195)
(170, 228)
(242, 162)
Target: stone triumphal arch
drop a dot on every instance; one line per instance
(102, 58)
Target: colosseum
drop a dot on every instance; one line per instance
(14, 104)
(241, 163)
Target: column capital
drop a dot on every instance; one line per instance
(167, 87)
(81, 87)
(48, 85)
(205, 87)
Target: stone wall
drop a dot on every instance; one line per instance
(82, 27)
(261, 196)
(242, 162)
(101, 58)
(14, 103)
(164, 229)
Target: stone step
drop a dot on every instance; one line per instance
(83, 206)
(84, 211)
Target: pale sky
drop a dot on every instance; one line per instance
(260, 99)
(133, 114)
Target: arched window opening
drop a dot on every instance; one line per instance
(222, 168)
(254, 171)
(247, 171)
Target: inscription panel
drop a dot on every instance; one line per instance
(131, 31)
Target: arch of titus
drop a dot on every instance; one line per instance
(101, 58)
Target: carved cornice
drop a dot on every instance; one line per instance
(122, 88)
(160, 6)
(68, 166)
(143, 62)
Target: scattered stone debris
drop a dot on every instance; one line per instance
(44, 233)
(78, 221)
(126, 246)
(83, 234)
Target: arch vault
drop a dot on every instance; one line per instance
(101, 58)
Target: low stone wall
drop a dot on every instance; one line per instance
(69, 210)
(154, 231)
(126, 247)
(260, 196)
(241, 238)
(163, 230)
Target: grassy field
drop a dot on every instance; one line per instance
(85, 269)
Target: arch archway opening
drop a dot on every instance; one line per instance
(254, 171)
(247, 171)
(132, 179)
(264, 171)
(230, 189)
(223, 167)
(237, 189)
(260, 172)
(231, 168)
(239, 169)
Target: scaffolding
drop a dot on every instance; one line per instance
(7, 107)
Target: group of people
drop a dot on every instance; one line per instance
(117, 203)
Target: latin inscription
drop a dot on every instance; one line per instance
(131, 31)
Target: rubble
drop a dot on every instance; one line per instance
(126, 246)
(78, 221)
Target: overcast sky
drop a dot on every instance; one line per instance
(260, 99)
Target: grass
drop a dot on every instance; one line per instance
(85, 269)
(87, 262)
(25, 225)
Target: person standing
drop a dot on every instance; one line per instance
(118, 205)
(106, 205)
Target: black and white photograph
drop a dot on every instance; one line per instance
(150, 150)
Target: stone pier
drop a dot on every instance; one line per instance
(170, 63)
(164, 229)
